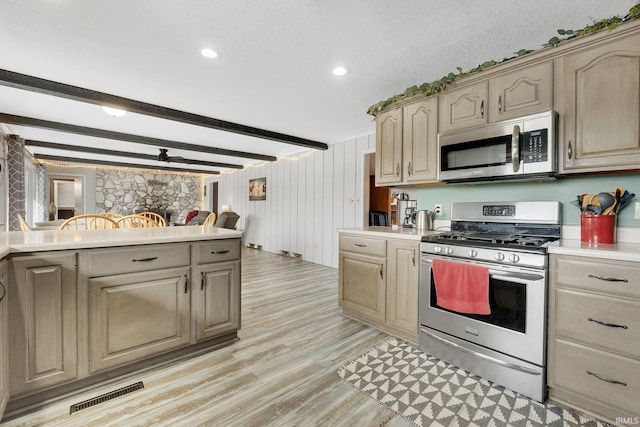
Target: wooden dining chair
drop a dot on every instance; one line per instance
(113, 215)
(156, 217)
(210, 220)
(136, 221)
(23, 224)
(88, 222)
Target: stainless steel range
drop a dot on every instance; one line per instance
(502, 248)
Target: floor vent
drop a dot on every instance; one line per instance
(107, 396)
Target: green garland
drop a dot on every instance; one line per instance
(439, 85)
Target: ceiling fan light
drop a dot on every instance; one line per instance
(114, 112)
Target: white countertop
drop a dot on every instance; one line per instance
(51, 240)
(389, 232)
(622, 251)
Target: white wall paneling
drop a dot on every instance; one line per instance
(309, 197)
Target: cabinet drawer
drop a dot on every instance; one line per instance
(364, 245)
(600, 275)
(216, 251)
(606, 322)
(129, 259)
(577, 366)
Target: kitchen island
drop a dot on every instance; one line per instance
(89, 305)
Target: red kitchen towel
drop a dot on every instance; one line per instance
(462, 287)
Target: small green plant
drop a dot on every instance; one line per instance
(443, 83)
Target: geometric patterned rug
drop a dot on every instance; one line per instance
(430, 392)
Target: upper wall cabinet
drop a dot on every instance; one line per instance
(406, 139)
(601, 106)
(514, 94)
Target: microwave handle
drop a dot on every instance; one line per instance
(515, 148)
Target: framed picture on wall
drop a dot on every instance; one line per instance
(258, 189)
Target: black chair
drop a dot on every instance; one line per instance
(378, 218)
(227, 220)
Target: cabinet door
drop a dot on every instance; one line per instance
(521, 93)
(216, 299)
(463, 108)
(361, 285)
(136, 315)
(602, 107)
(420, 140)
(389, 147)
(42, 310)
(402, 286)
(4, 338)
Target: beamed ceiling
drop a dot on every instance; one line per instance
(269, 94)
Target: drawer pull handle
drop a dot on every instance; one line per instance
(4, 291)
(611, 325)
(360, 245)
(224, 251)
(607, 279)
(145, 259)
(202, 280)
(607, 380)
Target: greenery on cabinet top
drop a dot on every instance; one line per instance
(443, 83)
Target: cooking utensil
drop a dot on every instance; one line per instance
(610, 210)
(605, 200)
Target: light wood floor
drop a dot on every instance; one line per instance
(282, 371)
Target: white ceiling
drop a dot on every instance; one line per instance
(274, 72)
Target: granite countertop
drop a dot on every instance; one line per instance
(49, 240)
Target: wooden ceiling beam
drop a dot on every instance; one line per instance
(121, 164)
(49, 87)
(102, 151)
(119, 136)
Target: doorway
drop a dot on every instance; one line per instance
(66, 197)
(377, 203)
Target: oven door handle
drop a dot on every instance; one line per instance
(504, 274)
(482, 356)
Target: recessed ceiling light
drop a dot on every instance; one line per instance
(114, 112)
(209, 53)
(340, 71)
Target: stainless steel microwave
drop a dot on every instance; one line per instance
(524, 148)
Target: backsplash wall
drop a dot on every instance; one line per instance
(129, 191)
(563, 190)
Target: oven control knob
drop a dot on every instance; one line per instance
(437, 249)
(514, 258)
(499, 256)
(448, 251)
(473, 253)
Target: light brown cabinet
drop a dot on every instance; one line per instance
(4, 337)
(215, 299)
(362, 277)
(601, 106)
(402, 287)
(136, 315)
(42, 311)
(593, 341)
(378, 283)
(406, 142)
(514, 94)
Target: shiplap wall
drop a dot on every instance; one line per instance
(309, 197)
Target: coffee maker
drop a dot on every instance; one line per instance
(408, 210)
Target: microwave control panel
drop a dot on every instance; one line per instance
(535, 146)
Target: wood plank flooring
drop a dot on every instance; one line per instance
(282, 371)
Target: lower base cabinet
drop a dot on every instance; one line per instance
(215, 299)
(43, 322)
(137, 315)
(4, 338)
(378, 283)
(594, 339)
